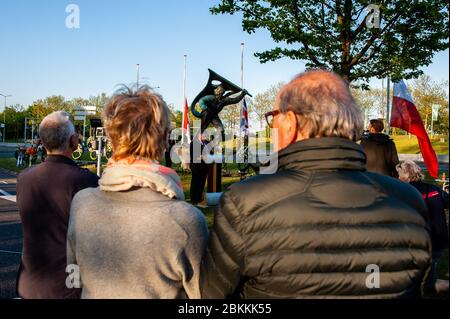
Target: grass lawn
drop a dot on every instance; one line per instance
(9, 163)
(410, 145)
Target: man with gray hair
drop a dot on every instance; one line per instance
(44, 195)
(321, 226)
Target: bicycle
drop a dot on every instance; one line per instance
(106, 150)
(89, 149)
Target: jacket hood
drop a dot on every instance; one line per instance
(325, 153)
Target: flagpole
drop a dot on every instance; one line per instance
(183, 136)
(242, 82)
(242, 104)
(137, 76)
(388, 111)
(242, 64)
(382, 92)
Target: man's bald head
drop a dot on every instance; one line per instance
(323, 101)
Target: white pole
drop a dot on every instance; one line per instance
(32, 131)
(242, 82)
(183, 133)
(99, 156)
(382, 93)
(4, 121)
(388, 108)
(25, 131)
(137, 76)
(84, 128)
(242, 65)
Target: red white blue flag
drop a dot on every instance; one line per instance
(244, 118)
(404, 115)
(186, 129)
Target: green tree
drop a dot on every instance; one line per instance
(99, 101)
(263, 102)
(176, 116)
(334, 34)
(372, 102)
(14, 116)
(427, 92)
(231, 115)
(41, 108)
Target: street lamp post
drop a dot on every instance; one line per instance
(137, 76)
(4, 116)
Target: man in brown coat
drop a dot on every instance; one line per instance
(44, 195)
(380, 150)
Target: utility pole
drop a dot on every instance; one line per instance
(4, 116)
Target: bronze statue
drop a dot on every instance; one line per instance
(218, 93)
(213, 98)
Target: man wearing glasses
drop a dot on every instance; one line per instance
(321, 226)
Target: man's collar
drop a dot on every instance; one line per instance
(60, 159)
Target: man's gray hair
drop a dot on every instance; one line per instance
(409, 171)
(55, 131)
(323, 101)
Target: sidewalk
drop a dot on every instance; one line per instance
(12, 144)
(443, 158)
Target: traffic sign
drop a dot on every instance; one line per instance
(79, 118)
(80, 113)
(85, 108)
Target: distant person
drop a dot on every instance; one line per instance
(171, 143)
(200, 145)
(19, 155)
(321, 224)
(437, 202)
(44, 194)
(134, 236)
(380, 150)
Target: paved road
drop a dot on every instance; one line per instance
(7, 151)
(10, 236)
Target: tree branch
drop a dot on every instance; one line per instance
(324, 3)
(372, 39)
(295, 12)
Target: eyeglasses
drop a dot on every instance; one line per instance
(270, 117)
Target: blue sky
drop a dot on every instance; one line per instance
(40, 57)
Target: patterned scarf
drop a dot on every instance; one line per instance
(127, 173)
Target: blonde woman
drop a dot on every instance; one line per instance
(134, 236)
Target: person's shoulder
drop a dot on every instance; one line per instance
(399, 190)
(86, 175)
(30, 172)
(433, 188)
(189, 218)
(390, 140)
(266, 181)
(84, 197)
(248, 195)
(187, 212)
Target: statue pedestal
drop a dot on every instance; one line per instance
(214, 181)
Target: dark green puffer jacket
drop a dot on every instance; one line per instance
(311, 230)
